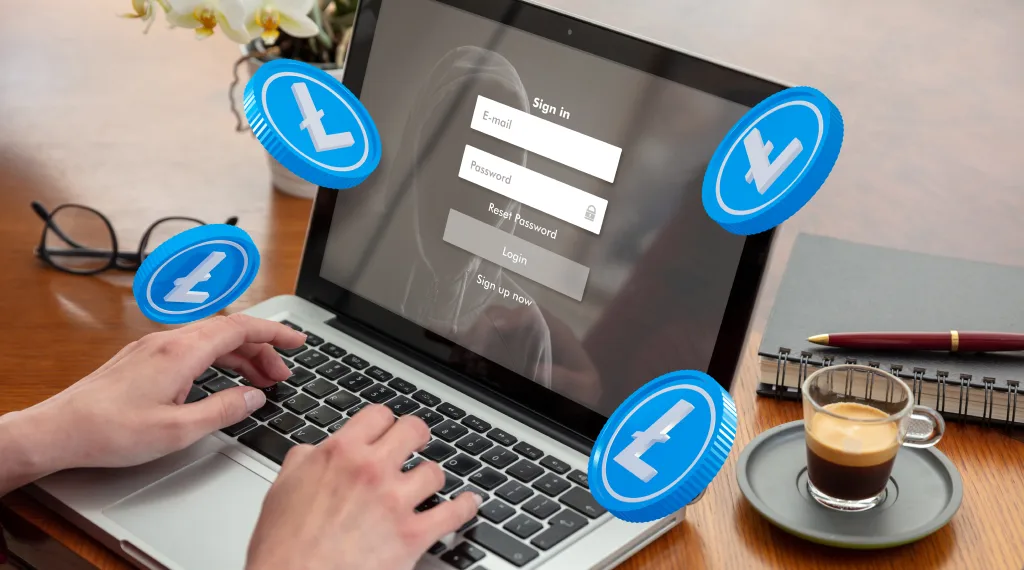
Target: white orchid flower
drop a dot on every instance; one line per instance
(265, 17)
(205, 15)
(145, 11)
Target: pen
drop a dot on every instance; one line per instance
(953, 341)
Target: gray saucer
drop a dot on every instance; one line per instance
(924, 492)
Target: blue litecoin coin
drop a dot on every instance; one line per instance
(311, 123)
(196, 274)
(662, 446)
(773, 161)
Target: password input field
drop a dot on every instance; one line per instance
(550, 140)
(565, 202)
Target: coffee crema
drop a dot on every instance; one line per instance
(847, 458)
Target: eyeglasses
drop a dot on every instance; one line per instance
(80, 240)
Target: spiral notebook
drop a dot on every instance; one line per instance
(831, 286)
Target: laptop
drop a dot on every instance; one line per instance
(531, 250)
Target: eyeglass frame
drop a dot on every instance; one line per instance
(131, 260)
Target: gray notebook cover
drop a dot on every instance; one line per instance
(832, 285)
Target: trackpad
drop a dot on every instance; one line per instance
(199, 517)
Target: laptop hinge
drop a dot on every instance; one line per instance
(463, 384)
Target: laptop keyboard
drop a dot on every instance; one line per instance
(532, 501)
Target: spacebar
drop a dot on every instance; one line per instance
(501, 544)
(267, 443)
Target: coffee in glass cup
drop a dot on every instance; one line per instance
(856, 419)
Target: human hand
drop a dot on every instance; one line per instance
(131, 410)
(347, 505)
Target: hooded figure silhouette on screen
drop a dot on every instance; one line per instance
(446, 287)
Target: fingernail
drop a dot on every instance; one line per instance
(477, 499)
(254, 400)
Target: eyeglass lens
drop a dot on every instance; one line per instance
(78, 240)
(165, 230)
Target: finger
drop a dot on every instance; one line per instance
(260, 364)
(242, 366)
(421, 482)
(223, 335)
(368, 424)
(446, 518)
(407, 435)
(220, 410)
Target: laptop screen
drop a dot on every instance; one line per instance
(536, 205)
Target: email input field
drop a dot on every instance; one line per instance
(550, 140)
(565, 202)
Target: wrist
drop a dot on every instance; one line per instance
(27, 456)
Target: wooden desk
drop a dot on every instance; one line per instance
(138, 127)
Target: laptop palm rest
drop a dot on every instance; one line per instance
(199, 517)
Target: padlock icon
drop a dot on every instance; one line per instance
(591, 212)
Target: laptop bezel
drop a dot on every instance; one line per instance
(417, 343)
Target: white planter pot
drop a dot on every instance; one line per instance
(280, 177)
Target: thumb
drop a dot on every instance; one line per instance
(223, 408)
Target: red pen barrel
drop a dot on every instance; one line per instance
(990, 341)
(955, 341)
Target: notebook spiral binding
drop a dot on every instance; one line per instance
(916, 381)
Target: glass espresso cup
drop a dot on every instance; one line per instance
(856, 419)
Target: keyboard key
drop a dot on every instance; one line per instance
(462, 556)
(555, 464)
(311, 359)
(401, 405)
(474, 444)
(476, 423)
(431, 502)
(559, 528)
(320, 388)
(583, 502)
(551, 484)
(578, 477)
(523, 448)
(323, 416)
(244, 382)
(288, 363)
(355, 361)
(300, 376)
(502, 437)
(342, 400)
(413, 463)
(449, 431)
(267, 412)
(286, 423)
(313, 340)
(241, 427)
(333, 370)
(488, 478)
(206, 376)
(525, 471)
(333, 350)
(451, 411)
(437, 451)
(217, 384)
(426, 414)
(310, 435)
(468, 524)
(378, 373)
(426, 398)
(462, 464)
(279, 392)
(292, 325)
(195, 393)
(500, 543)
(437, 548)
(267, 443)
(378, 393)
(403, 386)
(499, 457)
(300, 403)
(336, 426)
(471, 489)
(523, 526)
(354, 382)
(227, 372)
(496, 511)
(451, 482)
(290, 352)
(355, 409)
(541, 507)
(514, 492)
